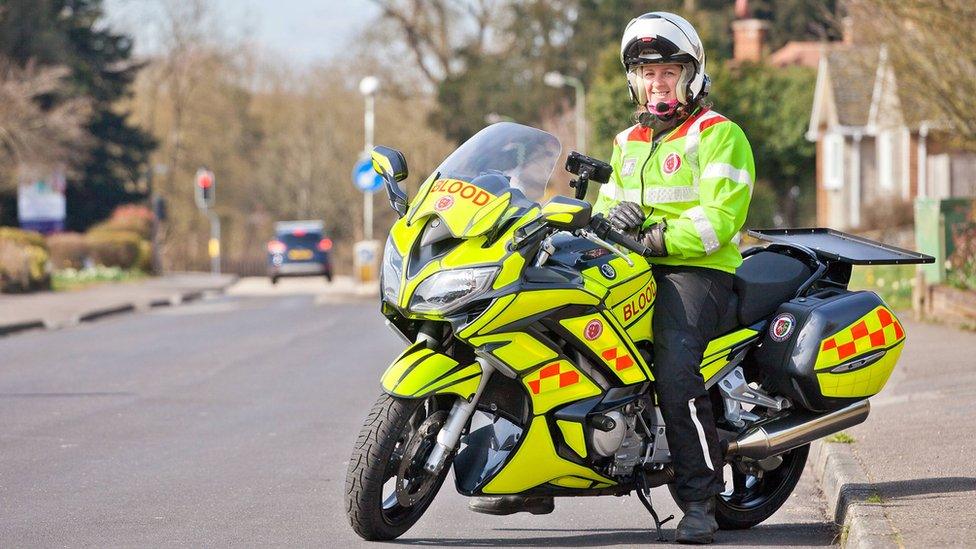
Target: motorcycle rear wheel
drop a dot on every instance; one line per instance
(750, 500)
(377, 471)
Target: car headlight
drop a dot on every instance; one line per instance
(392, 272)
(447, 291)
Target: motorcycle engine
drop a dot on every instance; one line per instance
(622, 442)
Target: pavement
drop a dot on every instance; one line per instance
(54, 310)
(906, 479)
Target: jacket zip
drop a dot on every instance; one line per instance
(654, 145)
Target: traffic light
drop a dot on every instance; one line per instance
(206, 188)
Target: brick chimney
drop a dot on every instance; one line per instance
(749, 40)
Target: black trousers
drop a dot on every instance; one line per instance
(691, 303)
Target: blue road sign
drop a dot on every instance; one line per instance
(365, 178)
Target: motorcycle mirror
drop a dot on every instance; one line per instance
(392, 167)
(566, 213)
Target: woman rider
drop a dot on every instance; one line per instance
(683, 178)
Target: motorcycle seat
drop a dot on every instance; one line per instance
(764, 281)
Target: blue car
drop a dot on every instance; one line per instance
(299, 248)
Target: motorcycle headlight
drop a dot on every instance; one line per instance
(392, 272)
(447, 291)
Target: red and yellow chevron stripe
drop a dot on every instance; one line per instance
(878, 329)
(551, 377)
(618, 358)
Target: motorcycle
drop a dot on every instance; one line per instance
(529, 346)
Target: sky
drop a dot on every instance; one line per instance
(305, 31)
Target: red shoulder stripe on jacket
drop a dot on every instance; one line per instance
(640, 133)
(712, 121)
(684, 127)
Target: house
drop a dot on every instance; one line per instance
(876, 149)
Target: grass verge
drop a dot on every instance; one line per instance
(893, 283)
(67, 280)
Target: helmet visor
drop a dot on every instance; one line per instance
(645, 50)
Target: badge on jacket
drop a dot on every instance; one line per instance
(671, 164)
(630, 162)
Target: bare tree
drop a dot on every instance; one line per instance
(32, 134)
(929, 44)
(436, 31)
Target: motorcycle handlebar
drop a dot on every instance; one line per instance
(603, 229)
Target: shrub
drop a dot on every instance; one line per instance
(962, 262)
(22, 237)
(130, 217)
(68, 250)
(114, 248)
(23, 267)
(144, 262)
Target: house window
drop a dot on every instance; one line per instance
(833, 161)
(886, 164)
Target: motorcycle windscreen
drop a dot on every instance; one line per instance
(473, 187)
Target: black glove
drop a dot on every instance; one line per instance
(626, 216)
(653, 239)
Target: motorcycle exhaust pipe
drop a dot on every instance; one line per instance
(795, 430)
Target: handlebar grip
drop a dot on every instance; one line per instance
(618, 237)
(602, 227)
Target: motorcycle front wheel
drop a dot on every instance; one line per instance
(749, 499)
(387, 488)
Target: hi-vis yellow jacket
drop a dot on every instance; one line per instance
(698, 177)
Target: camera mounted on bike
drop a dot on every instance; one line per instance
(587, 169)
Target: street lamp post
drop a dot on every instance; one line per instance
(368, 87)
(558, 80)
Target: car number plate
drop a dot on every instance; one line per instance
(300, 254)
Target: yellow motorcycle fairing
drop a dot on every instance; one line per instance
(536, 462)
(467, 210)
(470, 253)
(420, 372)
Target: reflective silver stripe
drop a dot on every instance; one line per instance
(728, 171)
(664, 195)
(705, 230)
(701, 433)
(737, 239)
(614, 192)
(691, 142)
(621, 138)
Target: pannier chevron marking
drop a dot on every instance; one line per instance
(876, 330)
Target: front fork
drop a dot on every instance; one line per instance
(450, 433)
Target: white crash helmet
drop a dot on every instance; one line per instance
(662, 37)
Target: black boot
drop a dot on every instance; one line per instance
(698, 526)
(507, 505)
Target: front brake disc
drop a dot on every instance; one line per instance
(413, 482)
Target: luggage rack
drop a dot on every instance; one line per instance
(835, 246)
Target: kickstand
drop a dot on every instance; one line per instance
(644, 495)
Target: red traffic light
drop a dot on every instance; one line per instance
(205, 179)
